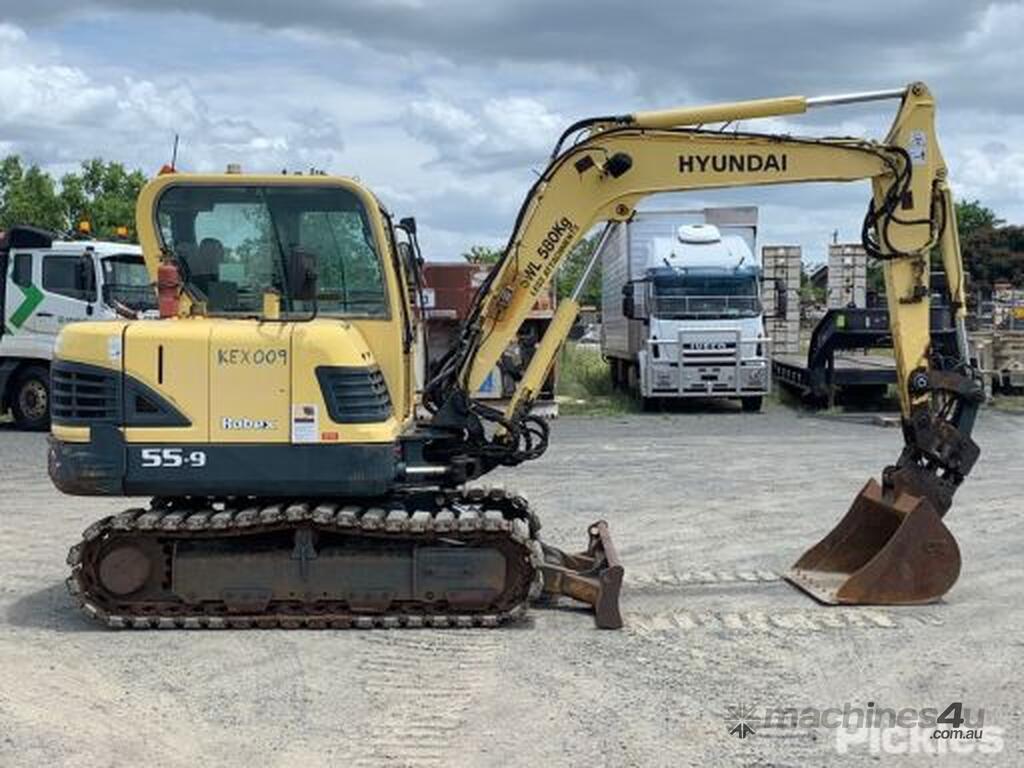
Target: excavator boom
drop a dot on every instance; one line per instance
(892, 546)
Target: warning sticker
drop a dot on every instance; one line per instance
(917, 147)
(114, 348)
(305, 424)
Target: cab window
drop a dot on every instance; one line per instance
(21, 273)
(313, 246)
(70, 276)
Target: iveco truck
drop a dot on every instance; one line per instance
(681, 306)
(48, 283)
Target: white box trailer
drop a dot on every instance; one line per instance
(48, 283)
(681, 306)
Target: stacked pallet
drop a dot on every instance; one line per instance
(847, 275)
(781, 265)
(1000, 356)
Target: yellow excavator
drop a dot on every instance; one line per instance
(271, 415)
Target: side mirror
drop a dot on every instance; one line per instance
(85, 277)
(408, 224)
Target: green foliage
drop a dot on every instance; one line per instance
(28, 196)
(573, 268)
(972, 216)
(102, 193)
(992, 250)
(585, 385)
(568, 275)
(992, 254)
(876, 277)
(809, 293)
(483, 254)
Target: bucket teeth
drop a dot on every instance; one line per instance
(885, 551)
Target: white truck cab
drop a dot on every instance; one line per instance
(49, 283)
(682, 311)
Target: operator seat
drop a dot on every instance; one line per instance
(205, 265)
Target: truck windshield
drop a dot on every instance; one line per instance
(314, 246)
(126, 282)
(684, 296)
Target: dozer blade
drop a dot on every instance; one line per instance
(593, 576)
(883, 552)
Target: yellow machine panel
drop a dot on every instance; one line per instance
(179, 371)
(250, 382)
(322, 349)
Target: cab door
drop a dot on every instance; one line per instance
(44, 292)
(68, 283)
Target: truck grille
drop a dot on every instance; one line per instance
(84, 394)
(354, 395)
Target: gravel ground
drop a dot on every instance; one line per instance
(706, 509)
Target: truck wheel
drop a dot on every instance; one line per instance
(633, 379)
(752, 404)
(613, 370)
(30, 403)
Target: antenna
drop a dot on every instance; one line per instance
(174, 154)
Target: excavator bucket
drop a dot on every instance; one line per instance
(593, 576)
(883, 552)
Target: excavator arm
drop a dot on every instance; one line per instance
(609, 165)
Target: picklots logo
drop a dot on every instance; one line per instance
(733, 163)
(228, 423)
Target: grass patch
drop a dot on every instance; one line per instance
(1007, 403)
(585, 384)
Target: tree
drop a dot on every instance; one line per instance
(28, 196)
(571, 271)
(483, 254)
(992, 250)
(102, 193)
(992, 254)
(568, 275)
(972, 217)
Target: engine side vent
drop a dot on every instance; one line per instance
(354, 395)
(83, 395)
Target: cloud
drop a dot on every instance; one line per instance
(721, 50)
(446, 107)
(57, 114)
(495, 134)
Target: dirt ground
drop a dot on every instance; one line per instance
(706, 509)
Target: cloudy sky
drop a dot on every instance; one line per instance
(447, 108)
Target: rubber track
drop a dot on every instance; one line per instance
(476, 511)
